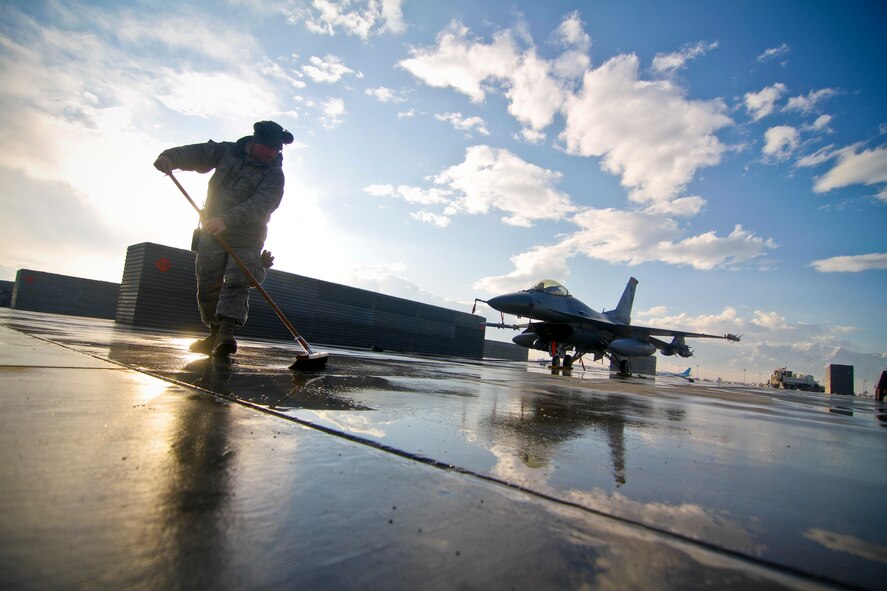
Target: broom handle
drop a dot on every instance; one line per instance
(247, 273)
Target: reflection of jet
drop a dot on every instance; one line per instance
(542, 423)
(567, 324)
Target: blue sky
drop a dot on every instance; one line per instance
(731, 156)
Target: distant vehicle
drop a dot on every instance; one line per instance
(789, 380)
(566, 324)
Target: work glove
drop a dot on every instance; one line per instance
(214, 226)
(163, 164)
(267, 259)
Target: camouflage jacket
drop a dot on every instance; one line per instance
(242, 191)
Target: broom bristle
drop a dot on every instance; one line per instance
(313, 361)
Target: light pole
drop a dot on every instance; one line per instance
(743, 375)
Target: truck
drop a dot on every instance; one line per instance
(789, 380)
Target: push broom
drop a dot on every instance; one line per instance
(310, 359)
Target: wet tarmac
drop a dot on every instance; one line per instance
(126, 461)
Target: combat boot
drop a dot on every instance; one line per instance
(206, 345)
(225, 343)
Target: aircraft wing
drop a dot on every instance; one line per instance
(635, 330)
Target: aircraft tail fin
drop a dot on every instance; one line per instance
(622, 312)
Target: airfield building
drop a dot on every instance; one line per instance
(839, 379)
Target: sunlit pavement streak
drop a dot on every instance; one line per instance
(787, 480)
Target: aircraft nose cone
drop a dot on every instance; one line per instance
(517, 304)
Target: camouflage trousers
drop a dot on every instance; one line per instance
(222, 289)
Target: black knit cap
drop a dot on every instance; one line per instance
(271, 134)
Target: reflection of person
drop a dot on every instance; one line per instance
(245, 189)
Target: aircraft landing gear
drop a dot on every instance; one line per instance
(624, 368)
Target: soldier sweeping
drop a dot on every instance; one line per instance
(245, 189)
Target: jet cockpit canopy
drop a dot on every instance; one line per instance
(549, 286)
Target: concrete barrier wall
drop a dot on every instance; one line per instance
(6, 288)
(158, 290)
(508, 351)
(61, 294)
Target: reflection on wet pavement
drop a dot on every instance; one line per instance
(790, 479)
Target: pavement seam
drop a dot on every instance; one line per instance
(10, 366)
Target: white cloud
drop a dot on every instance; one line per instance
(646, 132)
(333, 112)
(851, 264)
(780, 142)
(571, 35)
(709, 251)
(665, 63)
(638, 237)
(762, 103)
(683, 207)
(530, 136)
(275, 70)
(214, 94)
(380, 190)
(433, 196)
(774, 52)
(461, 63)
(866, 167)
(534, 93)
(495, 179)
(360, 18)
(631, 238)
(530, 266)
(392, 16)
(432, 219)
(769, 320)
(407, 114)
(193, 34)
(491, 178)
(464, 123)
(810, 102)
(728, 320)
(821, 124)
(821, 155)
(328, 69)
(385, 95)
(535, 87)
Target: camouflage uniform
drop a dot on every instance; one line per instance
(243, 193)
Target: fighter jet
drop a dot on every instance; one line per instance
(564, 324)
